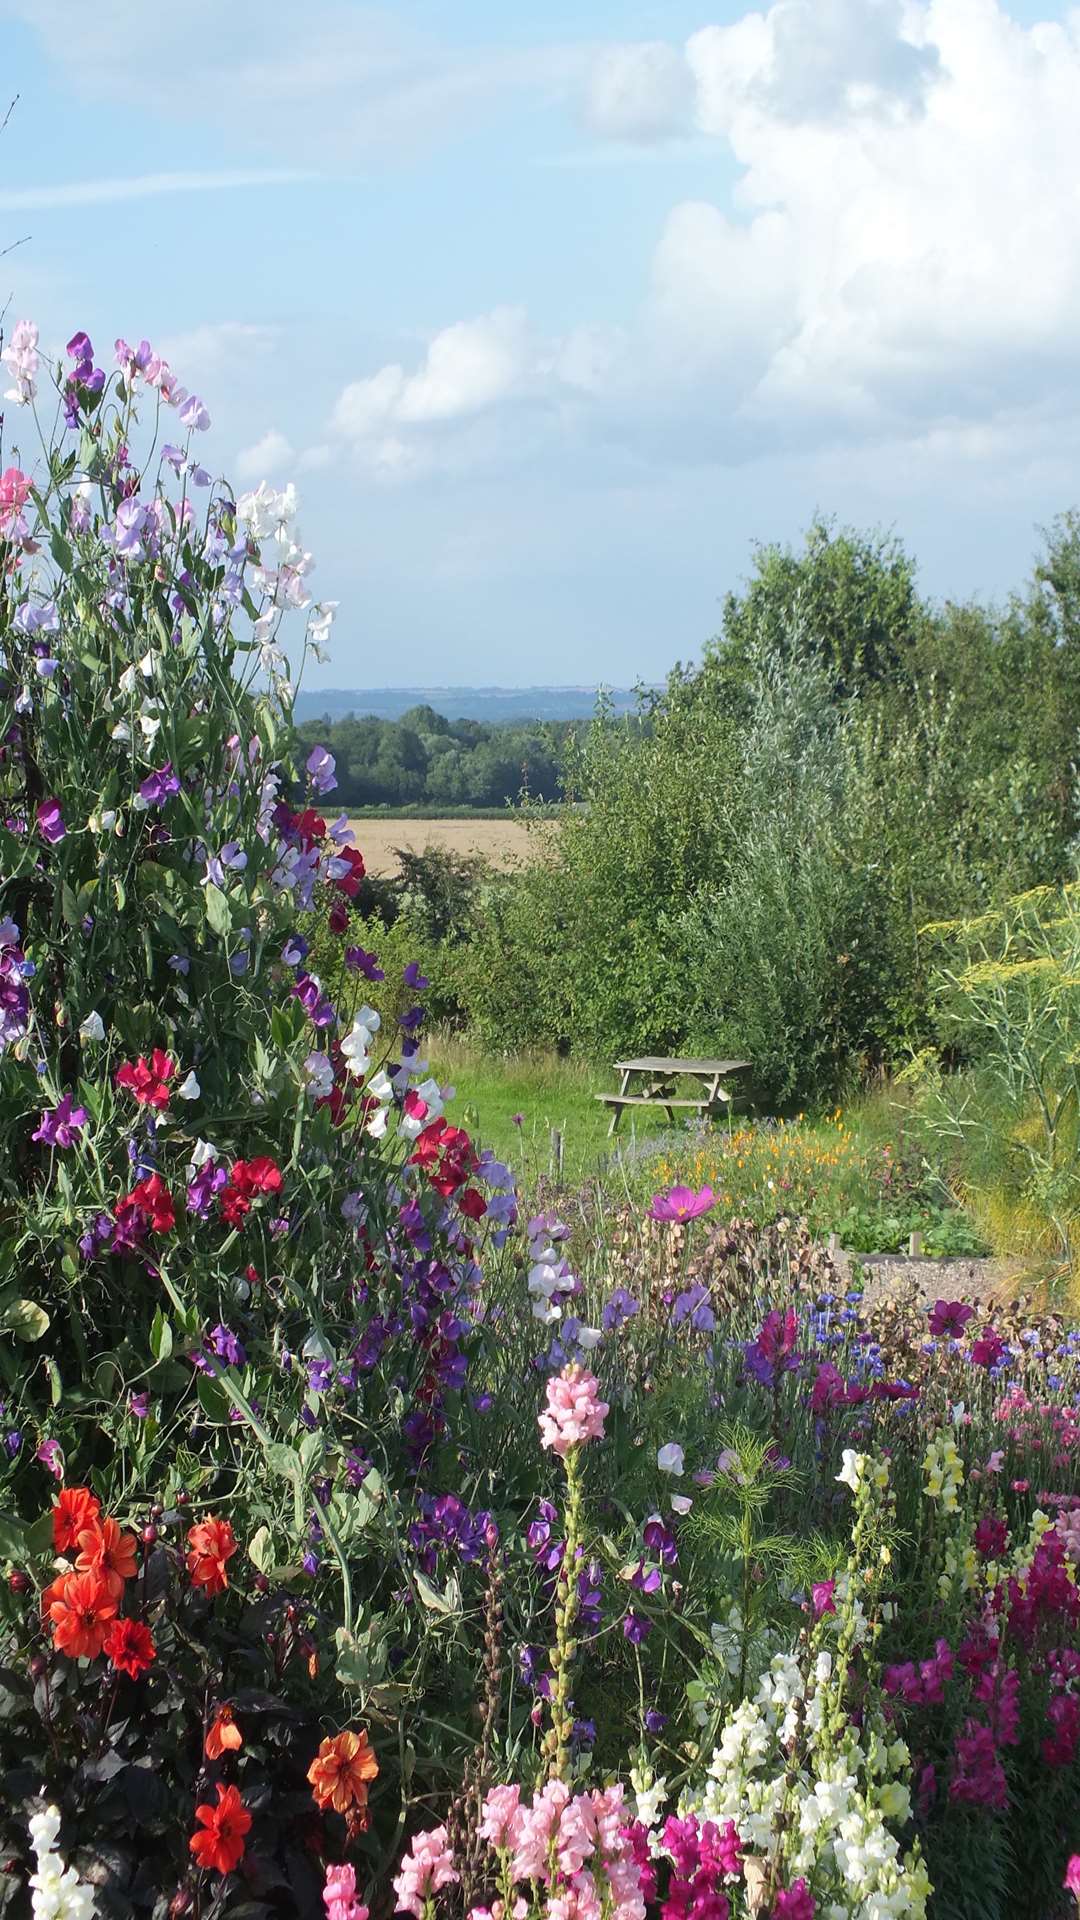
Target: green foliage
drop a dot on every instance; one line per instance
(425, 760)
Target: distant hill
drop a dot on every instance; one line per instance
(490, 704)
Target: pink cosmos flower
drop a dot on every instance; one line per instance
(425, 1870)
(950, 1316)
(1071, 1882)
(682, 1203)
(574, 1413)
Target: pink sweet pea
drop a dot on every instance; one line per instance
(1071, 1882)
(14, 494)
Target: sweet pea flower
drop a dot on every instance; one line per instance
(62, 1126)
(670, 1458)
(93, 1027)
(1071, 1882)
(321, 770)
(50, 821)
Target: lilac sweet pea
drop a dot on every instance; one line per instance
(50, 821)
(159, 786)
(322, 770)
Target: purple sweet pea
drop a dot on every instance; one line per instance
(61, 1126)
(358, 960)
(637, 1627)
(50, 821)
(321, 770)
(159, 786)
(414, 979)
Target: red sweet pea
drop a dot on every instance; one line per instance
(308, 827)
(472, 1204)
(247, 1178)
(130, 1647)
(349, 883)
(148, 1079)
(75, 1510)
(151, 1203)
(220, 1847)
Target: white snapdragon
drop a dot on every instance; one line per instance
(56, 1891)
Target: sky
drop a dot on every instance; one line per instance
(551, 312)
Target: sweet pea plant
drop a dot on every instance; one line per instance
(238, 1237)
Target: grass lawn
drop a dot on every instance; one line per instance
(861, 1171)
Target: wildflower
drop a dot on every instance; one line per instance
(574, 1411)
(425, 1870)
(220, 1846)
(148, 1080)
(51, 1455)
(211, 1544)
(681, 1203)
(852, 1469)
(76, 1509)
(56, 1891)
(81, 1608)
(670, 1458)
(129, 1646)
(988, 1349)
(159, 786)
(636, 1627)
(223, 1735)
(341, 1770)
(62, 1126)
(148, 1205)
(358, 960)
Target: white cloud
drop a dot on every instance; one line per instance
(313, 459)
(266, 458)
(640, 91)
(468, 369)
(145, 186)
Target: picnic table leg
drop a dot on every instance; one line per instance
(617, 1112)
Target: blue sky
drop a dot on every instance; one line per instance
(551, 312)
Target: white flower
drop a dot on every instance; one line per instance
(92, 1028)
(649, 1795)
(681, 1503)
(319, 1075)
(202, 1152)
(588, 1338)
(670, 1458)
(851, 1472)
(381, 1087)
(189, 1088)
(357, 1046)
(376, 1126)
(121, 731)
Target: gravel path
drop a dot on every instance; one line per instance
(918, 1280)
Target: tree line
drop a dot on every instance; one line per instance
(424, 759)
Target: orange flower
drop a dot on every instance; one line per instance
(341, 1770)
(130, 1647)
(104, 1550)
(80, 1607)
(75, 1510)
(212, 1543)
(220, 1847)
(223, 1736)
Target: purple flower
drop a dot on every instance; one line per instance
(693, 1305)
(139, 1405)
(157, 787)
(227, 1347)
(414, 978)
(295, 950)
(655, 1722)
(636, 1627)
(132, 519)
(50, 821)
(310, 1562)
(321, 770)
(194, 414)
(621, 1307)
(359, 961)
(61, 1127)
(682, 1203)
(179, 963)
(50, 1455)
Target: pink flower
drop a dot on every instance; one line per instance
(14, 494)
(50, 821)
(822, 1593)
(1071, 1882)
(682, 1203)
(796, 1903)
(574, 1411)
(339, 1895)
(500, 1819)
(425, 1870)
(950, 1316)
(988, 1349)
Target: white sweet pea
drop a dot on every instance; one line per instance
(367, 1017)
(121, 731)
(201, 1153)
(670, 1459)
(588, 1338)
(356, 1047)
(381, 1087)
(92, 1028)
(319, 1075)
(377, 1124)
(189, 1088)
(126, 682)
(681, 1503)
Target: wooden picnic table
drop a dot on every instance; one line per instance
(649, 1082)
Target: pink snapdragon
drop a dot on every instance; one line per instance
(339, 1895)
(425, 1870)
(574, 1412)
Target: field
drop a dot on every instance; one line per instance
(503, 841)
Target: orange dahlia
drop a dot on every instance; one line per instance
(104, 1550)
(340, 1771)
(223, 1735)
(81, 1608)
(75, 1510)
(211, 1543)
(220, 1846)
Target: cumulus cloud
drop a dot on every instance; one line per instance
(468, 368)
(266, 458)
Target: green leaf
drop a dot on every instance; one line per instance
(218, 911)
(61, 551)
(284, 1460)
(26, 1319)
(431, 1596)
(161, 1339)
(260, 1550)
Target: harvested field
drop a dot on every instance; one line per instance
(503, 842)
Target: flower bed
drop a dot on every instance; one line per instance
(364, 1545)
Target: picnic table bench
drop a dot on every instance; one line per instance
(649, 1082)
